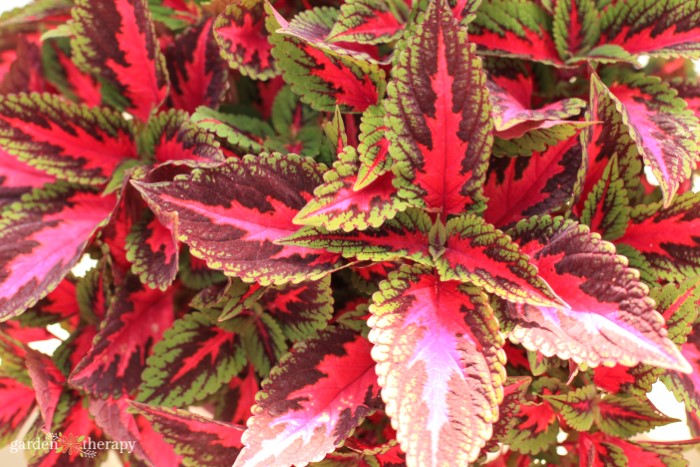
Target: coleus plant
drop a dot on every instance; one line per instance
(360, 233)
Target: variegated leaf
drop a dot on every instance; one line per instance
(370, 21)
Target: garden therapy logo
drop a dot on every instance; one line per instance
(73, 445)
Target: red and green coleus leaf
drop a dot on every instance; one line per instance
(373, 148)
(338, 206)
(477, 252)
(69, 141)
(194, 359)
(664, 130)
(514, 390)
(438, 117)
(153, 251)
(116, 41)
(666, 28)
(114, 363)
(602, 450)
(232, 216)
(243, 40)
(611, 318)
(538, 140)
(69, 79)
(575, 27)
(174, 137)
(48, 383)
(606, 210)
(625, 416)
(666, 237)
(323, 74)
(59, 306)
(198, 75)
(19, 403)
(239, 133)
(43, 237)
(200, 441)
(511, 88)
(113, 416)
(440, 365)
(370, 21)
(543, 183)
(686, 387)
(297, 128)
(405, 236)
(514, 29)
(18, 178)
(320, 391)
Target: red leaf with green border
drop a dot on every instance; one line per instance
(511, 89)
(116, 41)
(514, 390)
(238, 133)
(606, 210)
(322, 73)
(320, 391)
(370, 21)
(514, 29)
(194, 359)
(601, 450)
(19, 403)
(153, 251)
(666, 237)
(604, 141)
(72, 82)
(232, 216)
(43, 237)
(69, 141)
(575, 27)
(438, 117)
(440, 365)
(243, 41)
(373, 148)
(116, 421)
(477, 252)
(337, 205)
(118, 354)
(198, 75)
(611, 318)
(404, 236)
(177, 138)
(199, 440)
(576, 407)
(18, 178)
(625, 416)
(661, 28)
(519, 187)
(664, 130)
(48, 383)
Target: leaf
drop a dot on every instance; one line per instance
(194, 359)
(536, 423)
(404, 236)
(624, 416)
(438, 117)
(198, 75)
(176, 138)
(59, 306)
(241, 134)
(313, 400)
(661, 126)
(69, 141)
(538, 140)
(514, 29)
(153, 252)
(116, 41)
(665, 237)
(606, 210)
(70, 80)
(599, 450)
(373, 148)
(519, 187)
(43, 237)
(114, 363)
(576, 407)
(576, 27)
(337, 205)
(243, 41)
(199, 440)
(666, 28)
(514, 391)
(233, 214)
(18, 178)
(370, 21)
(479, 253)
(439, 363)
(14, 415)
(611, 317)
(48, 383)
(323, 74)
